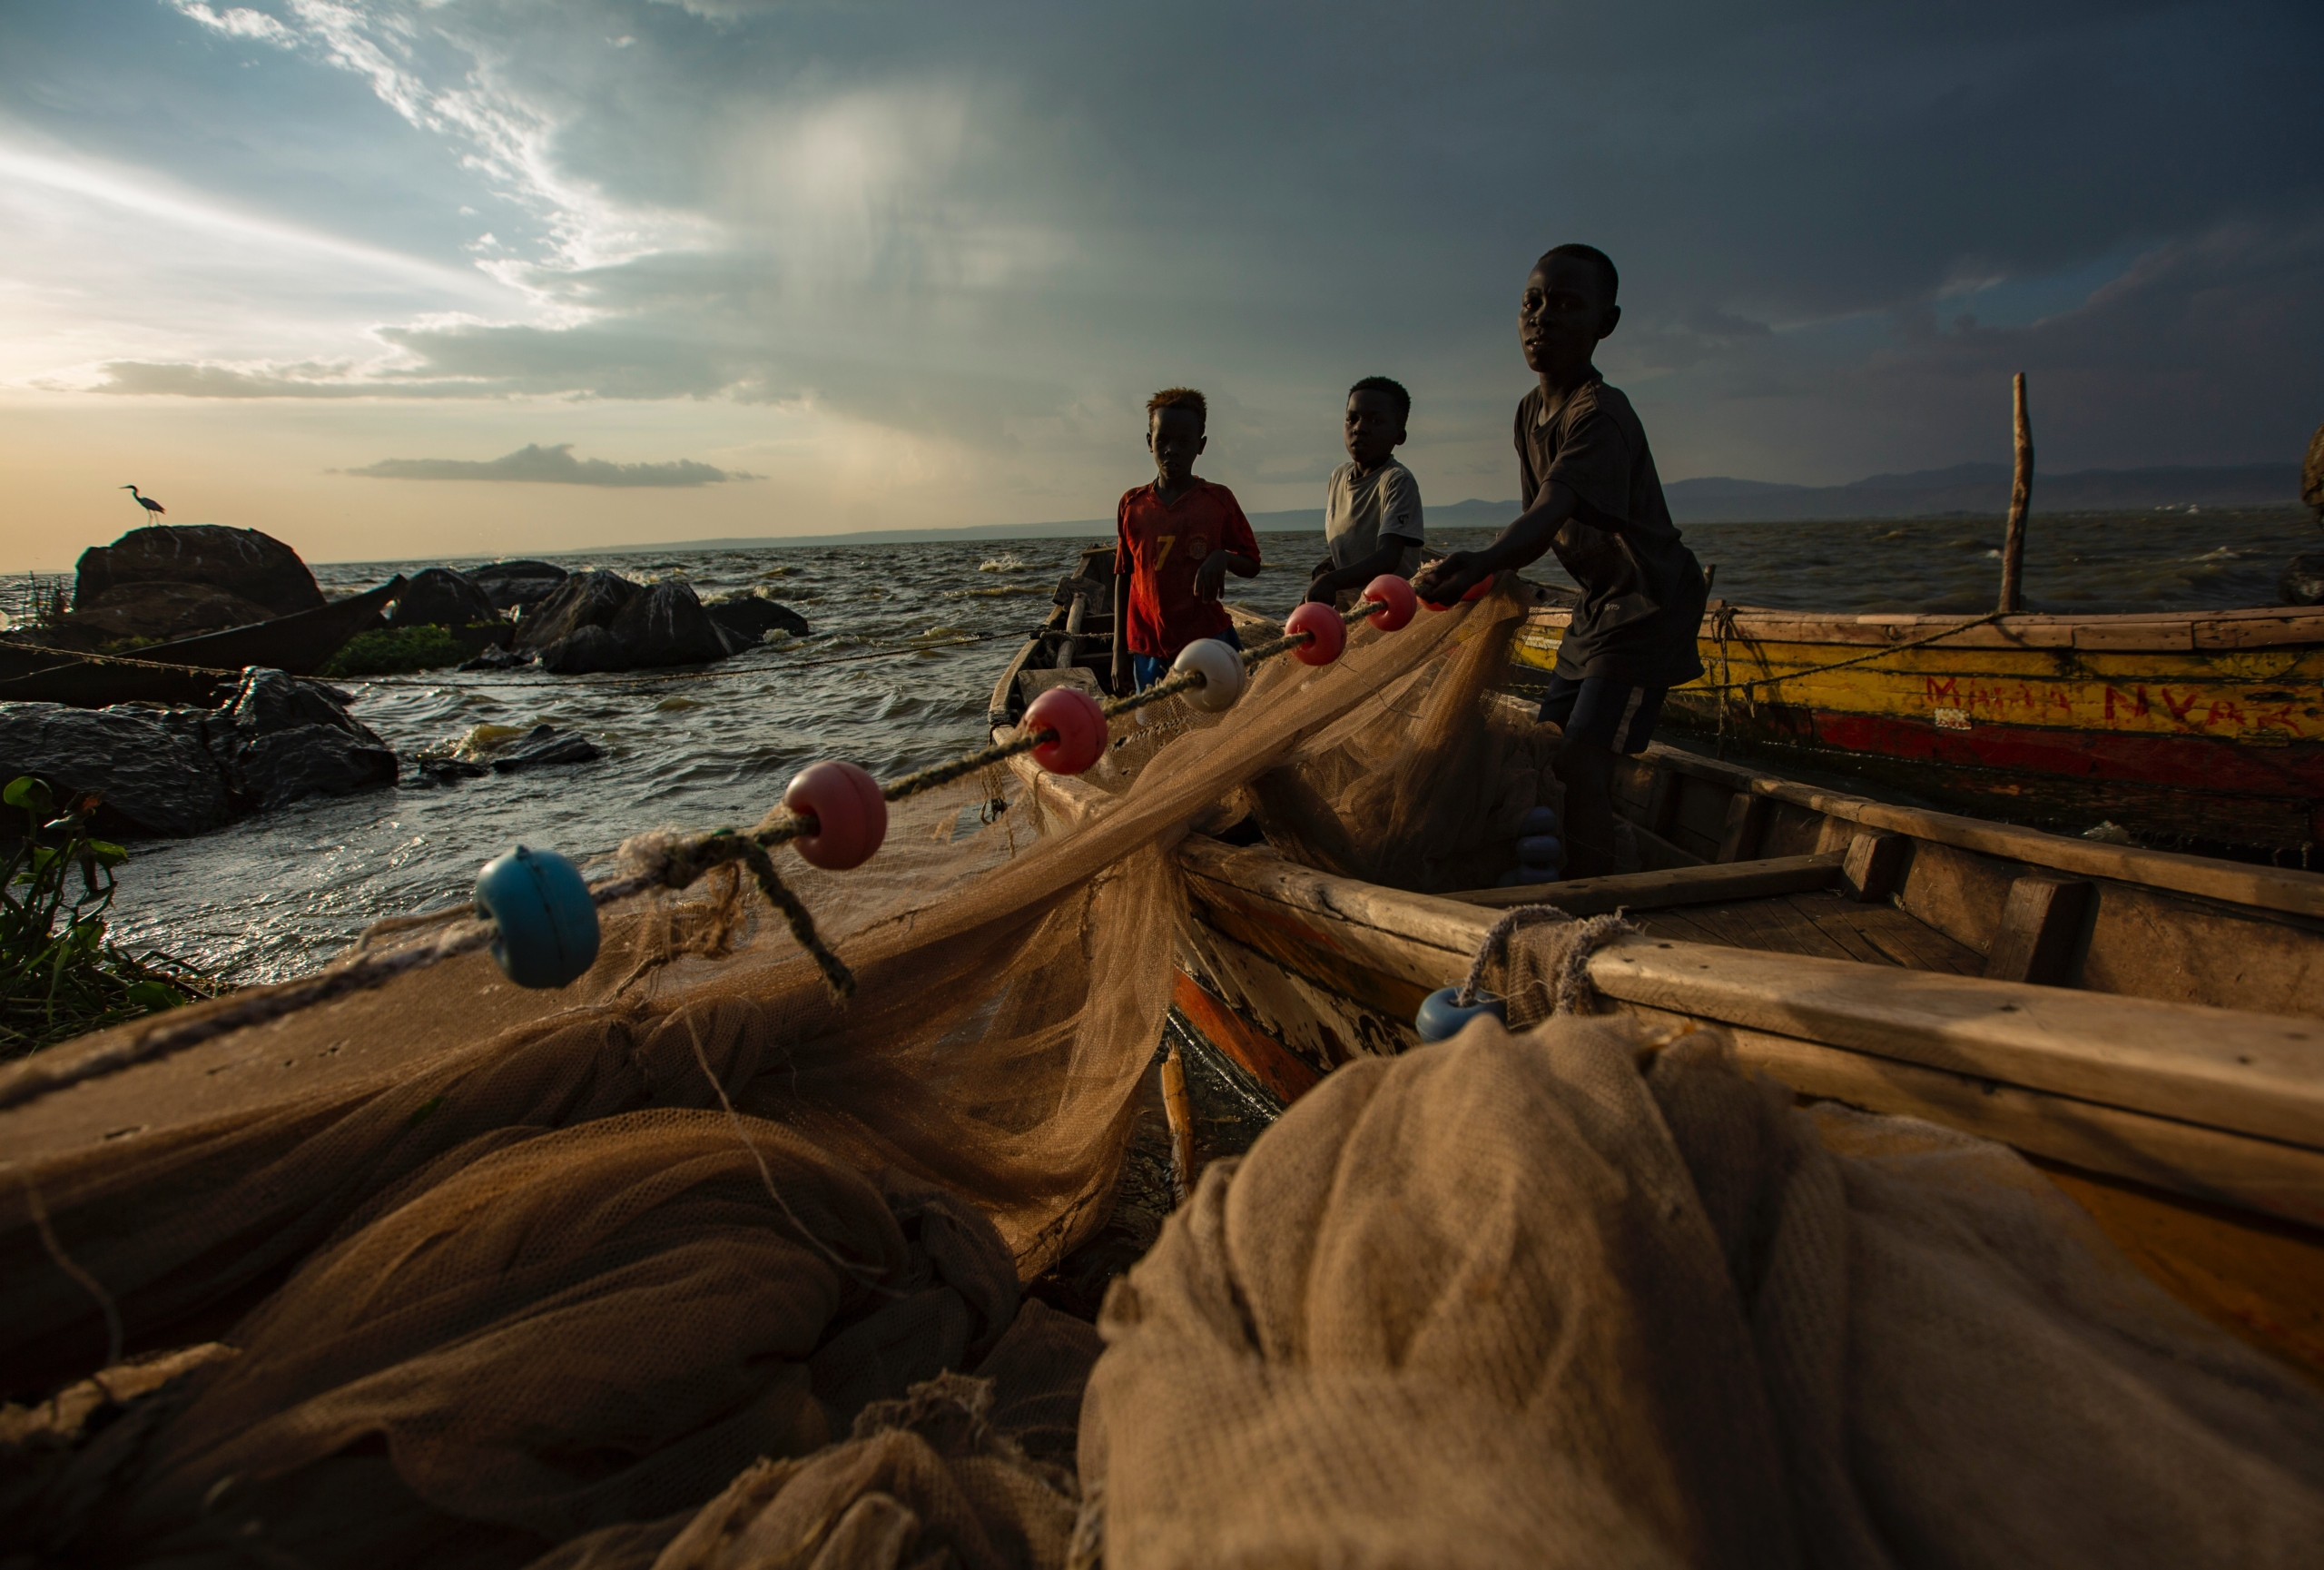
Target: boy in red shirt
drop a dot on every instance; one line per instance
(1176, 541)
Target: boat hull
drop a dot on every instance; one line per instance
(2197, 730)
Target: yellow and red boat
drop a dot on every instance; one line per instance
(2198, 729)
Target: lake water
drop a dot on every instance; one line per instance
(712, 746)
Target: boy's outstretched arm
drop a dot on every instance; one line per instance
(1521, 543)
(1326, 587)
(1210, 578)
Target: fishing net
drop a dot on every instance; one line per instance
(503, 1270)
(692, 1265)
(1592, 1296)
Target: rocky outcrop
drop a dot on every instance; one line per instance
(746, 619)
(584, 653)
(583, 600)
(151, 768)
(165, 610)
(517, 584)
(599, 622)
(438, 597)
(183, 771)
(249, 565)
(667, 625)
(282, 738)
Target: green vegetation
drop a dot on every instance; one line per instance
(59, 976)
(393, 650)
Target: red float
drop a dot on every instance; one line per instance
(849, 812)
(1080, 723)
(1395, 601)
(1327, 632)
(1482, 587)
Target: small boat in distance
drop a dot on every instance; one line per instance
(191, 669)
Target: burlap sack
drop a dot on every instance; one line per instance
(1511, 1301)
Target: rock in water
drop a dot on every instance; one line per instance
(438, 597)
(746, 619)
(149, 767)
(496, 658)
(2302, 582)
(282, 738)
(517, 584)
(244, 562)
(583, 600)
(545, 745)
(166, 610)
(582, 653)
(667, 625)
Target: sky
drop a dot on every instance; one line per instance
(402, 279)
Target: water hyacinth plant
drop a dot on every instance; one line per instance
(59, 976)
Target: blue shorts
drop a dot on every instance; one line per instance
(1605, 711)
(1146, 669)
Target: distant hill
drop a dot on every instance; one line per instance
(1983, 489)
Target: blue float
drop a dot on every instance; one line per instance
(1540, 821)
(1539, 850)
(1442, 1015)
(547, 922)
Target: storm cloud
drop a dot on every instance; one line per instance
(535, 465)
(976, 238)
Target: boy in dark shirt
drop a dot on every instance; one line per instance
(1176, 540)
(1591, 495)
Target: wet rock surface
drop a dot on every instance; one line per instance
(604, 623)
(667, 625)
(166, 610)
(543, 746)
(438, 597)
(183, 771)
(746, 619)
(517, 584)
(585, 599)
(244, 562)
(497, 657)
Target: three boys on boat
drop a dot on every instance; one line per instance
(1589, 492)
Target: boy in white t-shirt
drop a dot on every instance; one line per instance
(1372, 517)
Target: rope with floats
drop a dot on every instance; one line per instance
(539, 916)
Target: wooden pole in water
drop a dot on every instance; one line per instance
(2021, 497)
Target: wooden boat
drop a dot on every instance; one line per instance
(191, 669)
(2143, 1024)
(2198, 729)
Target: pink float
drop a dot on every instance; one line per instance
(1080, 723)
(1327, 634)
(1395, 601)
(849, 812)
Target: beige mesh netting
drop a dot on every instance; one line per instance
(999, 1027)
(1592, 1297)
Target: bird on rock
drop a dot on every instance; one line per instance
(147, 502)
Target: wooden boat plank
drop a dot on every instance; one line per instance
(2264, 1175)
(1900, 939)
(2258, 1074)
(1643, 891)
(1430, 920)
(2259, 1276)
(2149, 945)
(1315, 1021)
(2237, 882)
(1768, 926)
